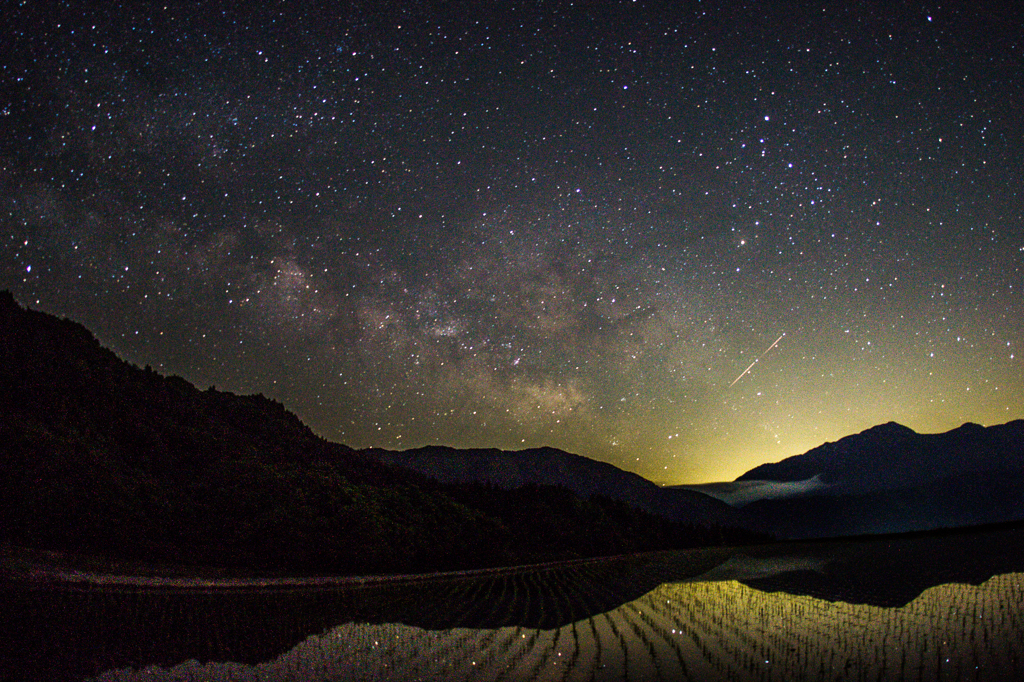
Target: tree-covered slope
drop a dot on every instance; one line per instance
(100, 456)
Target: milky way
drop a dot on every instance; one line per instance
(522, 223)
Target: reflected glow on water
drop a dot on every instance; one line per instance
(703, 631)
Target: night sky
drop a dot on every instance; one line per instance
(515, 224)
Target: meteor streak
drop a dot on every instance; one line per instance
(755, 361)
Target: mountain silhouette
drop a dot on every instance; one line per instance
(893, 456)
(891, 479)
(548, 466)
(100, 456)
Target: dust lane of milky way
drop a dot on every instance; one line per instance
(523, 224)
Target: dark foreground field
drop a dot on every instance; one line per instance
(844, 609)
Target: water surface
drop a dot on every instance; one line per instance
(935, 607)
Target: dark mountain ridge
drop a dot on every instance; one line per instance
(894, 456)
(890, 479)
(97, 455)
(548, 466)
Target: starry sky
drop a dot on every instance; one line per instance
(525, 223)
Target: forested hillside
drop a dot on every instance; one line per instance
(97, 455)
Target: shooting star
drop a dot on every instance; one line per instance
(755, 361)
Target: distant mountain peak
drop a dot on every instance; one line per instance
(891, 455)
(553, 467)
(892, 429)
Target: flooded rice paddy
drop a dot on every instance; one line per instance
(940, 607)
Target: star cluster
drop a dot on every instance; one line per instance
(526, 223)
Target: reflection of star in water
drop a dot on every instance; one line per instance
(947, 630)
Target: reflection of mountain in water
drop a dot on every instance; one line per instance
(704, 631)
(894, 571)
(86, 631)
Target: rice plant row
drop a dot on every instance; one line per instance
(705, 630)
